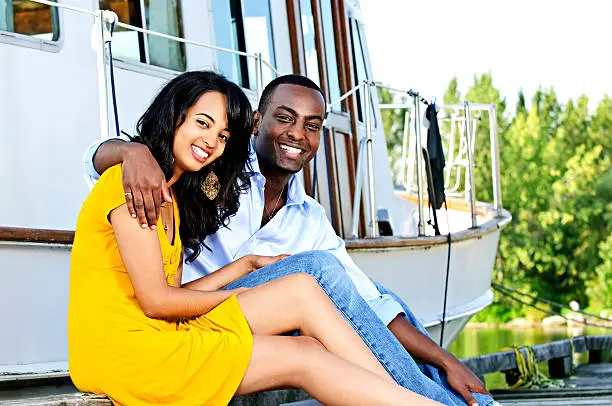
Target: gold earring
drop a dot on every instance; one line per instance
(211, 185)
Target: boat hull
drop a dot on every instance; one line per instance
(417, 274)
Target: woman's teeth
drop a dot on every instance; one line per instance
(199, 152)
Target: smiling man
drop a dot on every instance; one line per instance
(276, 217)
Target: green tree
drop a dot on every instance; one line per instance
(556, 178)
(393, 124)
(600, 286)
(483, 91)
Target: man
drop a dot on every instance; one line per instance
(276, 216)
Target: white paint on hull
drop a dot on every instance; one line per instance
(418, 274)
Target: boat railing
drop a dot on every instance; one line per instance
(365, 151)
(104, 22)
(459, 150)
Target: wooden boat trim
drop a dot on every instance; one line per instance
(492, 225)
(36, 235)
(66, 237)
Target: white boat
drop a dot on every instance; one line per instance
(55, 101)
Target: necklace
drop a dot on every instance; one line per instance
(271, 214)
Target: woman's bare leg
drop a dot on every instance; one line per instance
(281, 361)
(297, 302)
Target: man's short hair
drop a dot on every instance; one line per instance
(291, 79)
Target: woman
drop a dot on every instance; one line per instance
(138, 336)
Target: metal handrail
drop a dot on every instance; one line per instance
(103, 18)
(419, 165)
(183, 40)
(365, 148)
(469, 131)
(61, 5)
(373, 220)
(469, 136)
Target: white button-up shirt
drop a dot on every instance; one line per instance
(300, 225)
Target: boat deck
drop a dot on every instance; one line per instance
(591, 385)
(61, 392)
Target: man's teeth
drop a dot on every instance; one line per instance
(199, 152)
(291, 150)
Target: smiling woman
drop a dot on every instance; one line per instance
(202, 136)
(133, 285)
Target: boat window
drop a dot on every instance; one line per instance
(360, 69)
(29, 18)
(160, 15)
(258, 34)
(310, 45)
(164, 16)
(243, 26)
(229, 33)
(330, 54)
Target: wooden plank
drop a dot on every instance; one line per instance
(562, 401)
(36, 235)
(591, 385)
(603, 342)
(271, 398)
(506, 360)
(488, 227)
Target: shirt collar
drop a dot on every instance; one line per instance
(296, 195)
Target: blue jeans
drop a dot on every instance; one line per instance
(331, 276)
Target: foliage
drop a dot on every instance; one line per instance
(393, 124)
(556, 178)
(600, 287)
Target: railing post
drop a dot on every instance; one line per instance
(258, 75)
(358, 182)
(470, 155)
(493, 131)
(419, 162)
(405, 146)
(373, 223)
(100, 34)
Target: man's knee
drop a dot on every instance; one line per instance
(323, 265)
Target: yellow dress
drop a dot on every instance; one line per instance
(115, 349)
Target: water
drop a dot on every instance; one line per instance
(477, 341)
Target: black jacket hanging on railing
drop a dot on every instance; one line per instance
(435, 155)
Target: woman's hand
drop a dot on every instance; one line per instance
(259, 261)
(230, 272)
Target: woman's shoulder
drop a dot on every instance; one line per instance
(112, 174)
(107, 194)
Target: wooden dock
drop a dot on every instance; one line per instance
(590, 384)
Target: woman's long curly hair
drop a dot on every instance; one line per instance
(156, 129)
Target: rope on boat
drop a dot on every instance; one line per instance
(510, 292)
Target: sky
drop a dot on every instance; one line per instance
(524, 44)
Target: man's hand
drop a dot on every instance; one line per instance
(460, 378)
(463, 381)
(259, 261)
(144, 184)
